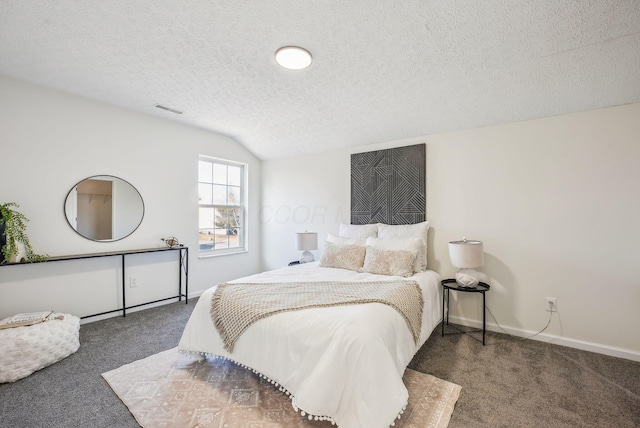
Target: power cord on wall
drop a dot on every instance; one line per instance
(519, 337)
(509, 334)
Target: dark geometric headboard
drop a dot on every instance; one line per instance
(389, 186)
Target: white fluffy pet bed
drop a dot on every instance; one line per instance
(27, 349)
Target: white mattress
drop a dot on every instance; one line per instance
(343, 362)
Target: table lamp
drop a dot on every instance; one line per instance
(307, 241)
(466, 255)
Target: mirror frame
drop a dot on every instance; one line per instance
(114, 178)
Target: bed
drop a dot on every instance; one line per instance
(339, 363)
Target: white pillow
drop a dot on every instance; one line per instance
(343, 256)
(341, 240)
(388, 262)
(420, 230)
(359, 231)
(413, 245)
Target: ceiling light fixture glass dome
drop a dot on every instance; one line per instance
(293, 57)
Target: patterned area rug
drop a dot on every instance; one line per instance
(173, 390)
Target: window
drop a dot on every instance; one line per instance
(222, 206)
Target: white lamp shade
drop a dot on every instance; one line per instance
(307, 241)
(466, 254)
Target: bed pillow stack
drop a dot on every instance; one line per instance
(343, 253)
(408, 231)
(358, 231)
(395, 248)
(399, 250)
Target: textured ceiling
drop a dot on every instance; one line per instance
(382, 70)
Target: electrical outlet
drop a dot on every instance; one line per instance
(552, 304)
(133, 282)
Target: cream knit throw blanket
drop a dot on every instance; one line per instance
(235, 306)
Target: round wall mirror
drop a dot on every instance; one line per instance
(104, 208)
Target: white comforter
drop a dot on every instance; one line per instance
(345, 362)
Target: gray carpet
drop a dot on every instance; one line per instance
(72, 393)
(525, 383)
(508, 383)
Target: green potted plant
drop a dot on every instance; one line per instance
(13, 233)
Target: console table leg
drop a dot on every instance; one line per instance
(180, 276)
(124, 288)
(186, 275)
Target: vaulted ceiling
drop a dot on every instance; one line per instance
(382, 70)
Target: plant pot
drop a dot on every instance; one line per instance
(21, 254)
(3, 238)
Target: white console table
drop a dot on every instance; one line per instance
(183, 269)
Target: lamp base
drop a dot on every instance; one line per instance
(467, 278)
(306, 257)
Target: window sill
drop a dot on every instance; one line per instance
(208, 255)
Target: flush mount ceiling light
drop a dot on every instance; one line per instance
(293, 57)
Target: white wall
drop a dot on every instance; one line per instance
(49, 141)
(554, 201)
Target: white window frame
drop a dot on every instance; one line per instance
(242, 205)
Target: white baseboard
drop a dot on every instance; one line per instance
(550, 338)
(139, 308)
(129, 311)
(196, 294)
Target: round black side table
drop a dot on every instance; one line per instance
(482, 288)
